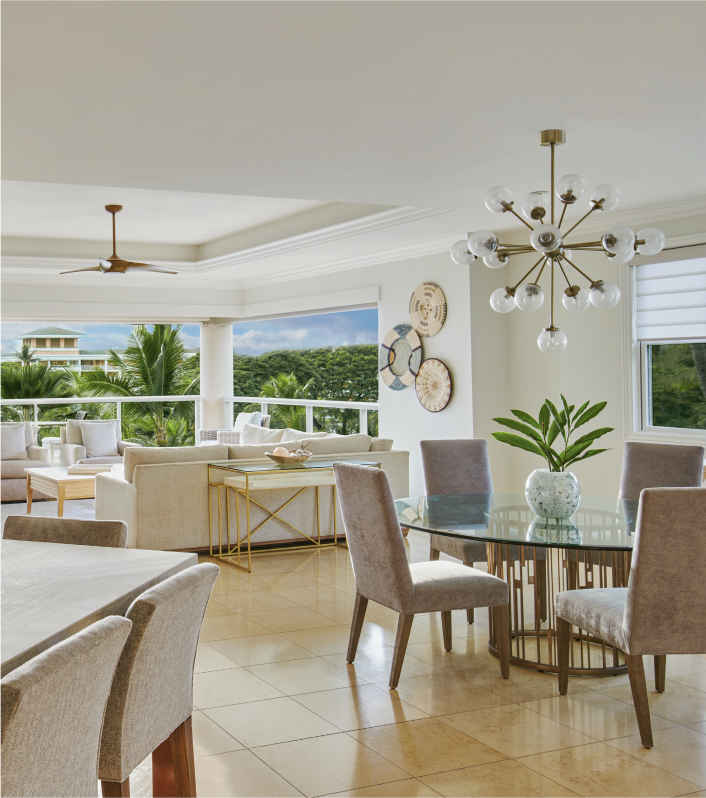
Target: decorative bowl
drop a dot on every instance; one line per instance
(300, 456)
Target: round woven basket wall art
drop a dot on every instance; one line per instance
(400, 357)
(427, 309)
(433, 385)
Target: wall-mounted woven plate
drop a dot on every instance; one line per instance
(400, 356)
(427, 309)
(433, 385)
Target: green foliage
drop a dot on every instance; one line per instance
(540, 433)
(25, 355)
(679, 385)
(33, 381)
(286, 386)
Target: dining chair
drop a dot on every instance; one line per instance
(382, 573)
(52, 713)
(660, 465)
(112, 534)
(151, 701)
(661, 610)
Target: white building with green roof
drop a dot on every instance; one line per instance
(61, 349)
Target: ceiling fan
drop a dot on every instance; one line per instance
(115, 264)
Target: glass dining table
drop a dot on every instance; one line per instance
(538, 558)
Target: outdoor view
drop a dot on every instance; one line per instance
(330, 357)
(678, 385)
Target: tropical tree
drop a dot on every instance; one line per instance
(33, 381)
(26, 355)
(286, 386)
(154, 363)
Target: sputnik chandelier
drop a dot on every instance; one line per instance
(619, 244)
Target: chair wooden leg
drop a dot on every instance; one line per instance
(501, 626)
(470, 615)
(163, 781)
(361, 604)
(446, 628)
(404, 627)
(182, 745)
(563, 633)
(434, 554)
(541, 588)
(116, 789)
(636, 671)
(660, 671)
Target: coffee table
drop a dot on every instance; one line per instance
(60, 485)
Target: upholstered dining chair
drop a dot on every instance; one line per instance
(383, 575)
(111, 534)
(660, 612)
(151, 700)
(52, 713)
(660, 465)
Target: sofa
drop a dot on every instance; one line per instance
(12, 467)
(163, 495)
(100, 449)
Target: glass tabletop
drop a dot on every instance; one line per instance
(599, 523)
(260, 468)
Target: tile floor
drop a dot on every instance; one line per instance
(278, 712)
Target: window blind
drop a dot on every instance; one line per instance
(671, 300)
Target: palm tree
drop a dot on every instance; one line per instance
(153, 364)
(26, 355)
(286, 386)
(32, 381)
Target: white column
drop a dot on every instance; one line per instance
(216, 373)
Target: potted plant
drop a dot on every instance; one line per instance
(554, 492)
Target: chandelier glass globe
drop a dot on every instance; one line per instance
(501, 301)
(529, 297)
(536, 206)
(551, 341)
(619, 240)
(654, 241)
(546, 238)
(624, 258)
(578, 302)
(605, 294)
(607, 195)
(570, 188)
(496, 260)
(460, 253)
(496, 196)
(482, 242)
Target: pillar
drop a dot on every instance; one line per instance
(216, 374)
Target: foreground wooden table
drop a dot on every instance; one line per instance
(60, 485)
(52, 590)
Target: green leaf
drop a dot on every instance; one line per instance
(591, 436)
(551, 456)
(560, 418)
(553, 432)
(581, 409)
(589, 453)
(527, 418)
(567, 410)
(544, 418)
(592, 412)
(574, 451)
(519, 427)
(518, 442)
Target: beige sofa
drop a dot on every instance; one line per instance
(13, 485)
(163, 496)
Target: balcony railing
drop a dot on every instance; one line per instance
(363, 408)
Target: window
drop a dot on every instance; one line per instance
(55, 343)
(670, 327)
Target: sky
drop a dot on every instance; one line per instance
(249, 338)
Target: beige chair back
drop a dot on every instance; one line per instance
(660, 465)
(52, 713)
(112, 534)
(152, 691)
(374, 536)
(456, 466)
(664, 611)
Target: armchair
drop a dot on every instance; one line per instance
(14, 478)
(74, 450)
(230, 436)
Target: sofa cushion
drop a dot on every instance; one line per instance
(29, 428)
(247, 418)
(12, 442)
(256, 451)
(73, 429)
(118, 458)
(100, 438)
(297, 435)
(338, 444)
(146, 455)
(253, 434)
(15, 469)
(381, 445)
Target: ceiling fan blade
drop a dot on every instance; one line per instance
(89, 269)
(148, 267)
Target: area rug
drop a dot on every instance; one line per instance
(74, 508)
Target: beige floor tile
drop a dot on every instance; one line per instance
(594, 714)
(466, 653)
(208, 659)
(215, 608)
(303, 676)
(523, 684)
(425, 746)
(678, 750)
(459, 620)
(285, 579)
(695, 680)
(359, 707)
(445, 694)
(210, 738)
(230, 626)
(257, 601)
(329, 764)
(678, 665)
(330, 640)
(236, 686)
(515, 731)
(699, 727)
(373, 665)
(316, 595)
(386, 631)
(340, 612)
(240, 775)
(290, 620)
(278, 720)
(408, 788)
(599, 770)
(235, 586)
(505, 779)
(260, 650)
(679, 703)
(140, 783)
(339, 578)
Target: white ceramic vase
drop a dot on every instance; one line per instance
(553, 494)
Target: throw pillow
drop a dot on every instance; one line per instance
(296, 435)
(73, 432)
(12, 442)
(99, 438)
(253, 434)
(338, 444)
(247, 418)
(381, 445)
(30, 430)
